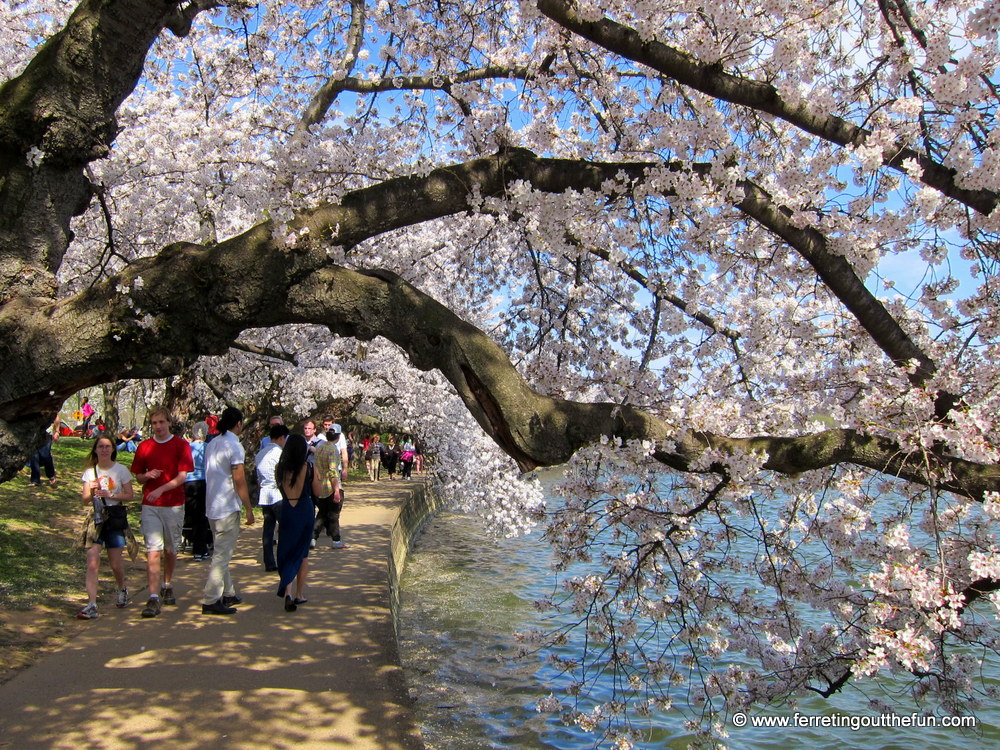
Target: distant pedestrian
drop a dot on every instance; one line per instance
(42, 458)
(329, 470)
(225, 491)
(406, 459)
(293, 475)
(373, 457)
(272, 421)
(390, 457)
(106, 484)
(313, 439)
(352, 448)
(88, 412)
(213, 427)
(196, 525)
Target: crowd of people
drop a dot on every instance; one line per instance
(196, 494)
(388, 456)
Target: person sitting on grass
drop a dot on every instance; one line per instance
(127, 439)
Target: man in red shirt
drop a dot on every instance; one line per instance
(161, 465)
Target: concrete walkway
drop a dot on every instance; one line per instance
(326, 676)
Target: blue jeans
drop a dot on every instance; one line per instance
(270, 513)
(42, 458)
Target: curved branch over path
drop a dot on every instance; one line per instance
(191, 300)
(195, 300)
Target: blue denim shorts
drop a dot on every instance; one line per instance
(111, 539)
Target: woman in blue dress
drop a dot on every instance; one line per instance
(295, 523)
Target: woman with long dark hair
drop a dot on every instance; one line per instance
(105, 484)
(293, 475)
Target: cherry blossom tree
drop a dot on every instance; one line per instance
(735, 264)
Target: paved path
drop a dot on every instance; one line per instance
(326, 676)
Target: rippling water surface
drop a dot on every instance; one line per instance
(464, 596)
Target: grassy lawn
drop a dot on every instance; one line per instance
(41, 560)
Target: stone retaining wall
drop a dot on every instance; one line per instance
(419, 507)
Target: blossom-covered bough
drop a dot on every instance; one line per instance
(735, 266)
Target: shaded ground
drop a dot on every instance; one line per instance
(27, 635)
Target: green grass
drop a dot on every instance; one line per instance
(40, 557)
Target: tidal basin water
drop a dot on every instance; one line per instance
(465, 595)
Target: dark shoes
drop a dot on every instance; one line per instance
(152, 608)
(155, 603)
(270, 568)
(229, 601)
(290, 605)
(217, 608)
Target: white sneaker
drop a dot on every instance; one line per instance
(88, 613)
(337, 545)
(312, 544)
(122, 598)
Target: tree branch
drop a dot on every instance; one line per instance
(841, 279)
(191, 300)
(711, 80)
(327, 93)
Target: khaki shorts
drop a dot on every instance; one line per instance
(162, 527)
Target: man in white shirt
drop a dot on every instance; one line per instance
(313, 439)
(225, 490)
(270, 496)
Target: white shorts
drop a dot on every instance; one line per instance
(162, 527)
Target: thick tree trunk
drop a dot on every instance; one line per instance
(57, 117)
(112, 414)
